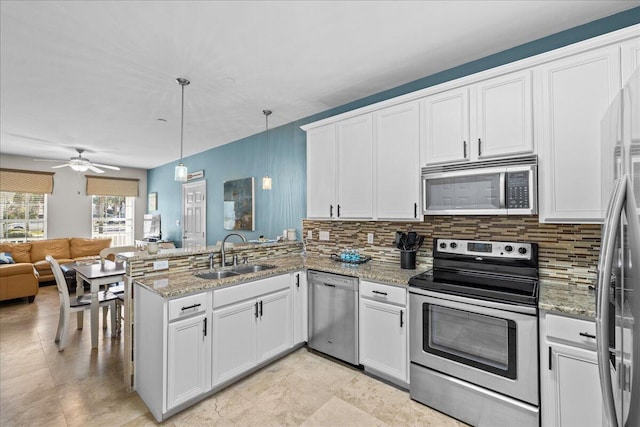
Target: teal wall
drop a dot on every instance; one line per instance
(285, 161)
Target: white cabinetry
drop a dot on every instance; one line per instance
(321, 172)
(383, 327)
(397, 143)
(251, 323)
(173, 341)
(630, 58)
(570, 387)
(446, 121)
(575, 93)
(340, 169)
(491, 118)
(299, 290)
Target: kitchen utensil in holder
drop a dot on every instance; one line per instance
(408, 260)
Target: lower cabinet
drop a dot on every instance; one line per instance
(383, 331)
(300, 293)
(255, 329)
(570, 385)
(187, 359)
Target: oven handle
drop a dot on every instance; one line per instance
(471, 302)
(605, 262)
(478, 307)
(503, 190)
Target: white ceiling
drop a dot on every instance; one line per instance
(99, 74)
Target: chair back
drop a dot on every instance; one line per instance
(63, 292)
(110, 253)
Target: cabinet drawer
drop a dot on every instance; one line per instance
(187, 306)
(576, 331)
(383, 293)
(245, 291)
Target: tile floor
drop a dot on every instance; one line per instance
(80, 386)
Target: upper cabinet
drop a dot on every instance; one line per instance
(397, 171)
(501, 110)
(491, 118)
(630, 58)
(575, 92)
(355, 168)
(446, 127)
(340, 170)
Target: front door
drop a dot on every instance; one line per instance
(194, 215)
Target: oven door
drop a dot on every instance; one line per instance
(486, 346)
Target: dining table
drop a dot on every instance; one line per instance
(97, 274)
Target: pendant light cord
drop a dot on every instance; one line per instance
(182, 82)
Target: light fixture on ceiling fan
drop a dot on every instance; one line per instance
(181, 169)
(80, 164)
(266, 180)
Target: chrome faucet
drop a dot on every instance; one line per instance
(211, 261)
(224, 260)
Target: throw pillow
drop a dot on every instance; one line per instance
(5, 258)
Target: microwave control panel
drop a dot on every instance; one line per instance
(518, 190)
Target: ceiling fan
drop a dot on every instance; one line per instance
(80, 164)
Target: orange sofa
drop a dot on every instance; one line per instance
(21, 279)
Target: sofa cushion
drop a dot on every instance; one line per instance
(5, 258)
(57, 248)
(14, 269)
(19, 251)
(87, 247)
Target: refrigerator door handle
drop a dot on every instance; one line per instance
(605, 262)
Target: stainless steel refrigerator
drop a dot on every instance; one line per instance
(618, 287)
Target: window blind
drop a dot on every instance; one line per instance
(24, 181)
(107, 186)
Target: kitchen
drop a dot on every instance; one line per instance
(568, 234)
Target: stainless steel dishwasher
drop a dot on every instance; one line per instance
(333, 315)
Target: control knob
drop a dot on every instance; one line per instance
(453, 245)
(443, 245)
(508, 248)
(522, 250)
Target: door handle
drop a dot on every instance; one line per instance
(401, 318)
(260, 308)
(205, 327)
(479, 147)
(256, 307)
(338, 211)
(330, 211)
(587, 335)
(298, 280)
(464, 149)
(380, 293)
(415, 210)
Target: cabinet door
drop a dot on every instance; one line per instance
(186, 359)
(274, 324)
(446, 124)
(355, 167)
(397, 139)
(503, 116)
(630, 58)
(321, 172)
(233, 340)
(383, 338)
(300, 297)
(573, 388)
(576, 92)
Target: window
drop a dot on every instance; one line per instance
(113, 217)
(23, 216)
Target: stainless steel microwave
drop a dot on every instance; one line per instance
(494, 187)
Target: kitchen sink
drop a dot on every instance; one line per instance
(245, 269)
(221, 274)
(235, 271)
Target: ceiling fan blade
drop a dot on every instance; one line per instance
(115, 168)
(47, 160)
(95, 169)
(60, 166)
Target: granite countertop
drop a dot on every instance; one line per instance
(561, 297)
(174, 284)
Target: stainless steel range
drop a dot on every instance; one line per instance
(474, 332)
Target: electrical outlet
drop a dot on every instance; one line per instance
(370, 238)
(161, 265)
(324, 235)
(309, 234)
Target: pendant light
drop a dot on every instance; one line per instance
(181, 169)
(266, 181)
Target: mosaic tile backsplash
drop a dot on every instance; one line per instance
(567, 252)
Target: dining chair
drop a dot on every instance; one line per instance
(78, 303)
(116, 288)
